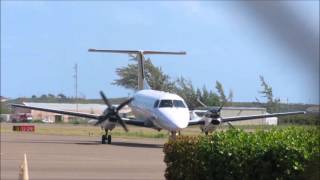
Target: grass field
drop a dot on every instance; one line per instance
(89, 130)
(134, 132)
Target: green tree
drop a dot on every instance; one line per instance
(222, 96)
(213, 99)
(230, 97)
(185, 89)
(51, 96)
(226, 101)
(62, 96)
(272, 104)
(154, 76)
(43, 96)
(209, 98)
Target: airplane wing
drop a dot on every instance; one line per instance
(197, 121)
(71, 113)
(135, 122)
(243, 118)
(201, 120)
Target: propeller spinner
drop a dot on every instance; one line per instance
(215, 115)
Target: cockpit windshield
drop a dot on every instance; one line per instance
(178, 103)
(171, 103)
(165, 103)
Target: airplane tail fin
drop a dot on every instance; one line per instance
(142, 83)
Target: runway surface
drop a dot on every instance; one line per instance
(79, 157)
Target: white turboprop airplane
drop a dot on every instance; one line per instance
(153, 109)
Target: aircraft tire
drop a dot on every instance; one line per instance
(109, 139)
(103, 139)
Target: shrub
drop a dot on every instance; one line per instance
(302, 119)
(75, 122)
(37, 121)
(236, 154)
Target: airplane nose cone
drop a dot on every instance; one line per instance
(181, 121)
(178, 118)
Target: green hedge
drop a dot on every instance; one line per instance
(291, 153)
(302, 119)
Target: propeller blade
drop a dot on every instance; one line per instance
(104, 98)
(121, 122)
(199, 101)
(221, 107)
(230, 125)
(123, 104)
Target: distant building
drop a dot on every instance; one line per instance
(313, 109)
(4, 117)
(3, 99)
(53, 117)
(245, 111)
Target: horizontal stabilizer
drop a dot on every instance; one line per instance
(137, 51)
(139, 55)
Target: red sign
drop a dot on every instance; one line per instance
(27, 128)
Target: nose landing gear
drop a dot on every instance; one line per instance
(106, 137)
(174, 134)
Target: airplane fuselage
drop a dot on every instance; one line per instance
(161, 109)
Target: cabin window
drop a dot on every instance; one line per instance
(165, 103)
(156, 104)
(178, 103)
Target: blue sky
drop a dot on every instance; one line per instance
(225, 41)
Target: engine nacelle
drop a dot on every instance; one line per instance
(210, 124)
(208, 128)
(104, 125)
(108, 125)
(92, 121)
(215, 121)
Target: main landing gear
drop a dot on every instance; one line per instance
(106, 137)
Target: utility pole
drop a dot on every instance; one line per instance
(76, 84)
(288, 107)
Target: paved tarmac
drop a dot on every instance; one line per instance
(79, 157)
